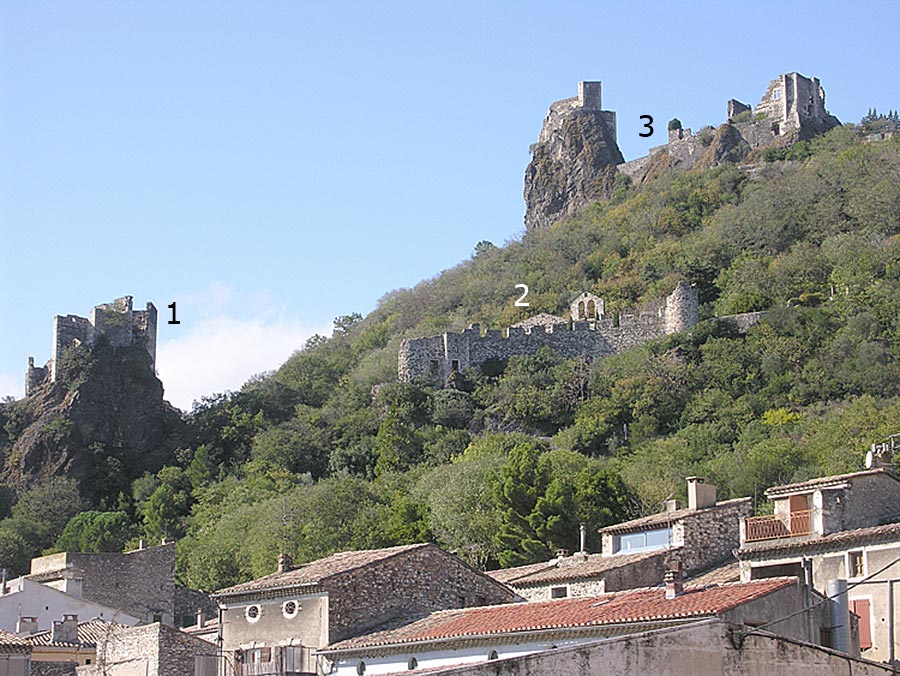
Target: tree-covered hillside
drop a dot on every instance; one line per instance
(329, 452)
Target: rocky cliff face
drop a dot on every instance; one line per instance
(572, 165)
(104, 423)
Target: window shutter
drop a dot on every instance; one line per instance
(861, 608)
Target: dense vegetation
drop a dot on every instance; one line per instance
(329, 452)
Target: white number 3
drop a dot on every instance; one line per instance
(521, 301)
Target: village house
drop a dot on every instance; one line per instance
(274, 624)
(472, 635)
(836, 531)
(705, 647)
(151, 650)
(67, 645)
(27, 607)
(634, 553)
(15, 655)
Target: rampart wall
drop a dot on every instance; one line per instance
(435, 358)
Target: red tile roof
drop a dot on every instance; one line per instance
(846, 538)
(312, 573)
(634, 606)
(89, 633)
(595, 565)
(10, 643)
(727, 572)
(663, 518)
(826, 481)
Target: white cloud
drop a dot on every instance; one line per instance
(12, 385)
(222, 353)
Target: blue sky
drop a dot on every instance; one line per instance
(271, 165)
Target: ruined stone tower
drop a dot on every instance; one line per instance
(117, 321)
(573, 162)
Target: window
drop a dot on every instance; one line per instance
(493, 655)
(642, 541)
(856, 564)
(454, 364)
(435, 367)
(776, 94)
(559, 592)
(253, 613)
(290, 609)
(861, 608)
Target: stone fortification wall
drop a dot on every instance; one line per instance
(437, 357)
(116, 321)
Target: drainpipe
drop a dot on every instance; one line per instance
(840, 615)
(810, 613)
(583, 533)
(220, 654)
(890, 614)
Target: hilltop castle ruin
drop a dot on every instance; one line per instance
(592, 334)
(116, 321)
(576, 157)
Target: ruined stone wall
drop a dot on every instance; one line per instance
(436, 357)
(409, 585)
(116, 321)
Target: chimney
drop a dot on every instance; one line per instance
(3, 577)
(562, 553)
(674, 580)
(582, 531)
(26, 625)
(199, 618)
(284, 563)
(672, 505)
(700, 494)
(142, 544)
(65, 631)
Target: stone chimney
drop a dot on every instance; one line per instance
(582, 532)
(284, 563)
(65, 630)
(672, 505)
(700, 495)
(26, 625)
(199, 618)
(674, 579)
(562, 553)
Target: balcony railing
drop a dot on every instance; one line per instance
(776, 526)
(283, 661)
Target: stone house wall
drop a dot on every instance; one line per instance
(140, 583)
(415, 583)
(708, 648)
(53, 668)
(149, 649)
(710, 535)
(309, 627)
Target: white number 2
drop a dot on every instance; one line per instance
(521, 301)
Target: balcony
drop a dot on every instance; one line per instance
(280, 661)
(795, 524)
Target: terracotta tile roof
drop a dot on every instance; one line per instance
(560, 571)
(209, 625)
(846, 538)
(312, 573)
(826, 481)
(634, 606)
(10, 643)
(89, 633)
(663, 518)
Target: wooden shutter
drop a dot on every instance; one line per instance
(861, 608)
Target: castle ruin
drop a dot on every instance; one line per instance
(116, 321)
(591, 334)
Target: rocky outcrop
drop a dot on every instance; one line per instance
(103, 422)
(573, 162)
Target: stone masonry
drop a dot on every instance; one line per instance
(117, 321)
(149, 649)
(140, 583)
(437, 357)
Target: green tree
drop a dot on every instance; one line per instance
(95, 531)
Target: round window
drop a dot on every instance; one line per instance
(290, 609)
(253, 613)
